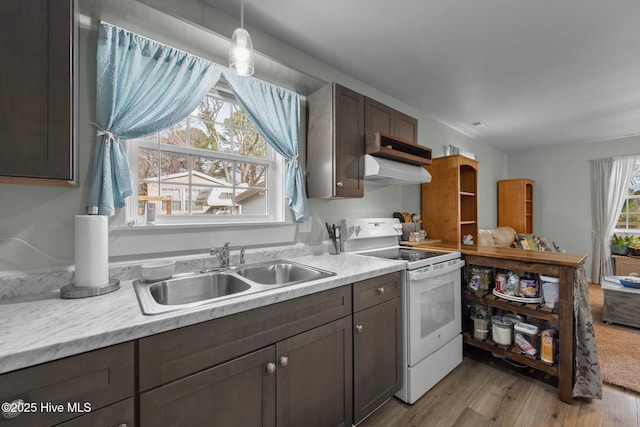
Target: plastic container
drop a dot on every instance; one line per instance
(501, 330)
(527, 338)
(550, 290)
(480, 328)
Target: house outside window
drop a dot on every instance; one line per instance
(629, 220)
(213, 167)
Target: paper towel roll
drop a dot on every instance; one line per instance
(91, 250)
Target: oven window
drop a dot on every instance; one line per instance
(436, 308)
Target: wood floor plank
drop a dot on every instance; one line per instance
(480, 393)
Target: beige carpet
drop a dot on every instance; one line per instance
(618, 347)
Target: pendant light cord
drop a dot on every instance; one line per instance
(241, 13)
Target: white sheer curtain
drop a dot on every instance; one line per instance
(611, 178)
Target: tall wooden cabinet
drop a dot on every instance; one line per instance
(515, 204)
(335, 143)
(36, 83)
(450, 200)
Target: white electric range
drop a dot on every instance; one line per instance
(431, 286)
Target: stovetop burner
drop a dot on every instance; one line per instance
(406, 254)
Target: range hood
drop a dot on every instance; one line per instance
(381, 171)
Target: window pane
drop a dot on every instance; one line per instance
(218, 172)
(174, 166)
(251, 201)
(251, 174)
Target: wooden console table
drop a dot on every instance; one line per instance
(548, 263)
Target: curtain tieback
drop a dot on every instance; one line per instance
(294, 161)
(101, 131)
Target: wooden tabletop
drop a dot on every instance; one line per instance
(542, 257)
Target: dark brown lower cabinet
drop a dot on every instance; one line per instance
(304, 380)
(90, 389)
(314, 377)
(377, 354)
(240, 392)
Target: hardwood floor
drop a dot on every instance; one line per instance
(485, 391)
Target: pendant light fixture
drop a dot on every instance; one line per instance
(241, 49)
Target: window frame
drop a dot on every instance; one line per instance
(275, 200)
(627, 230)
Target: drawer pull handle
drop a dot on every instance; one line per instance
(381, 290)
(359, 329)
(123, 425)
(12, 409)
(339, 184)
(284, 361)
(271, 368)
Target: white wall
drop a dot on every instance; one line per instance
(43, 216)
(562, 192)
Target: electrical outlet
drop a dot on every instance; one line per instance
(305, 226)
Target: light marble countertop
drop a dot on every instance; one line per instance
(40, 328)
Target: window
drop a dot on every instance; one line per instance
(629, 220)
(213, 166)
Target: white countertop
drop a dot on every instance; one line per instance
(41, 328)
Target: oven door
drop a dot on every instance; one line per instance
(433, 308)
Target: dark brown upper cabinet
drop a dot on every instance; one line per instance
(382, 118)
(335, 143)
(36, 83)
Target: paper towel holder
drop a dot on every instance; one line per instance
(74, 291)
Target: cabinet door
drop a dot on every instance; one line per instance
(36, 119)
(349, 143)
(406, 127)
(377, 356)
(314, 381)
(237, 393)
(378, 117)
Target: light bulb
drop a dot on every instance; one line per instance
(241, 52)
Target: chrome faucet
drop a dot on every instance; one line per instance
(222, 254)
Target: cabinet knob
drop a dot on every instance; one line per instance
(271, 368)
(284, 361)
(123, 425)
(12, 409)
(339, 184)
(359, 328)
(381, 290)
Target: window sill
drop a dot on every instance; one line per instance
(178, 226)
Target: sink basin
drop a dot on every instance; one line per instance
(282, 273)
(197, 288)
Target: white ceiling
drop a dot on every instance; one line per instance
(535, 72)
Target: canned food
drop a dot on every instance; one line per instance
(501, 279)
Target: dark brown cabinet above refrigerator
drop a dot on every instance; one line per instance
(335, 143)
(36, 83)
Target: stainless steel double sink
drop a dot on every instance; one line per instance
(195, 289)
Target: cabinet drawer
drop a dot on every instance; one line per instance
(175, 354)
(98, 378)
(121, 414)
(370, 292)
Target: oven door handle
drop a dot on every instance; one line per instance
(422, 274)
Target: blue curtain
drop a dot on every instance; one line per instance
(142, 87)
(276, 113)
